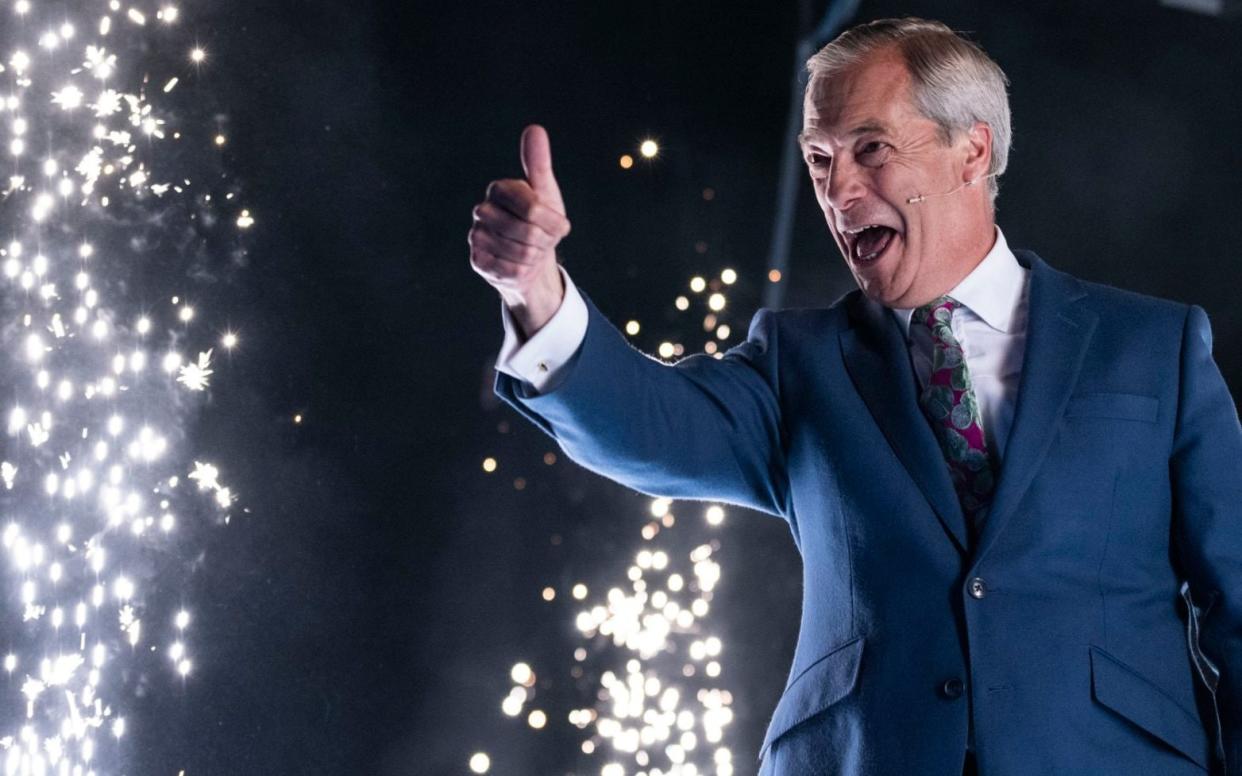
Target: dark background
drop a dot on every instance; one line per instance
(363, 616)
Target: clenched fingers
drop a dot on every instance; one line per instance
(502, 223)
(520, 200)
(482, 238)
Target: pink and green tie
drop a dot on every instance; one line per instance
(948, 401)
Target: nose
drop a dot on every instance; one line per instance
(844, 184)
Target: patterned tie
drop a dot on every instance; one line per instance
(949, 403)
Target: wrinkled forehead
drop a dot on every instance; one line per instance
(875, 91)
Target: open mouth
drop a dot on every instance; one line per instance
(869, 242)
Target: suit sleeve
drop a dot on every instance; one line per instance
(703, 428)
(1206, 472)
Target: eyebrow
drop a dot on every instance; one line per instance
(870, 125)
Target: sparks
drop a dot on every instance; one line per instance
(648, 672)
(195, 374)
(97, 439)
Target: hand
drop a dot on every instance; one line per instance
(515, 232)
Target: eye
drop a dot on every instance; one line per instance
(818, 164)
(873, 153)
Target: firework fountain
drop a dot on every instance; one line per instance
(111, 213)
(643, 685)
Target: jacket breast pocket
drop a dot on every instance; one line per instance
(1137, 699)
(821, 684)
(1120, 406)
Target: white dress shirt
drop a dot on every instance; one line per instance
(538, 361)
(990, 324)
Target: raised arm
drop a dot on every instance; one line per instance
(704, 428)
(699, 429)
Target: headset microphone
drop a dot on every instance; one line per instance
(971, 182)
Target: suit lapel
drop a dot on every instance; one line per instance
(1058, 332)
(878, 362)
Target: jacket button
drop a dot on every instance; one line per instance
(952, 688)
(977, 587)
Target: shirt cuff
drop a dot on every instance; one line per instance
(540, 360)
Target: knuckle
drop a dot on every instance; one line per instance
(498, 189)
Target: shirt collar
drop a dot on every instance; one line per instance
(992, 290)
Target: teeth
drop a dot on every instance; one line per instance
(861, 229)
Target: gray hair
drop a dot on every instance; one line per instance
(955, 82)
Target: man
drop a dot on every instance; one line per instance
(998, 475)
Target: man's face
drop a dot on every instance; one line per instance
(868, 151)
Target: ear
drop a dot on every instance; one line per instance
(978, 148)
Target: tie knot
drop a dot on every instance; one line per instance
(939, 310)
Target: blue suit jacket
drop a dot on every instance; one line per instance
(1061, 630)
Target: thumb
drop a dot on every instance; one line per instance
(537, 162)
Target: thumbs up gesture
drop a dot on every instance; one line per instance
(515, 232)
